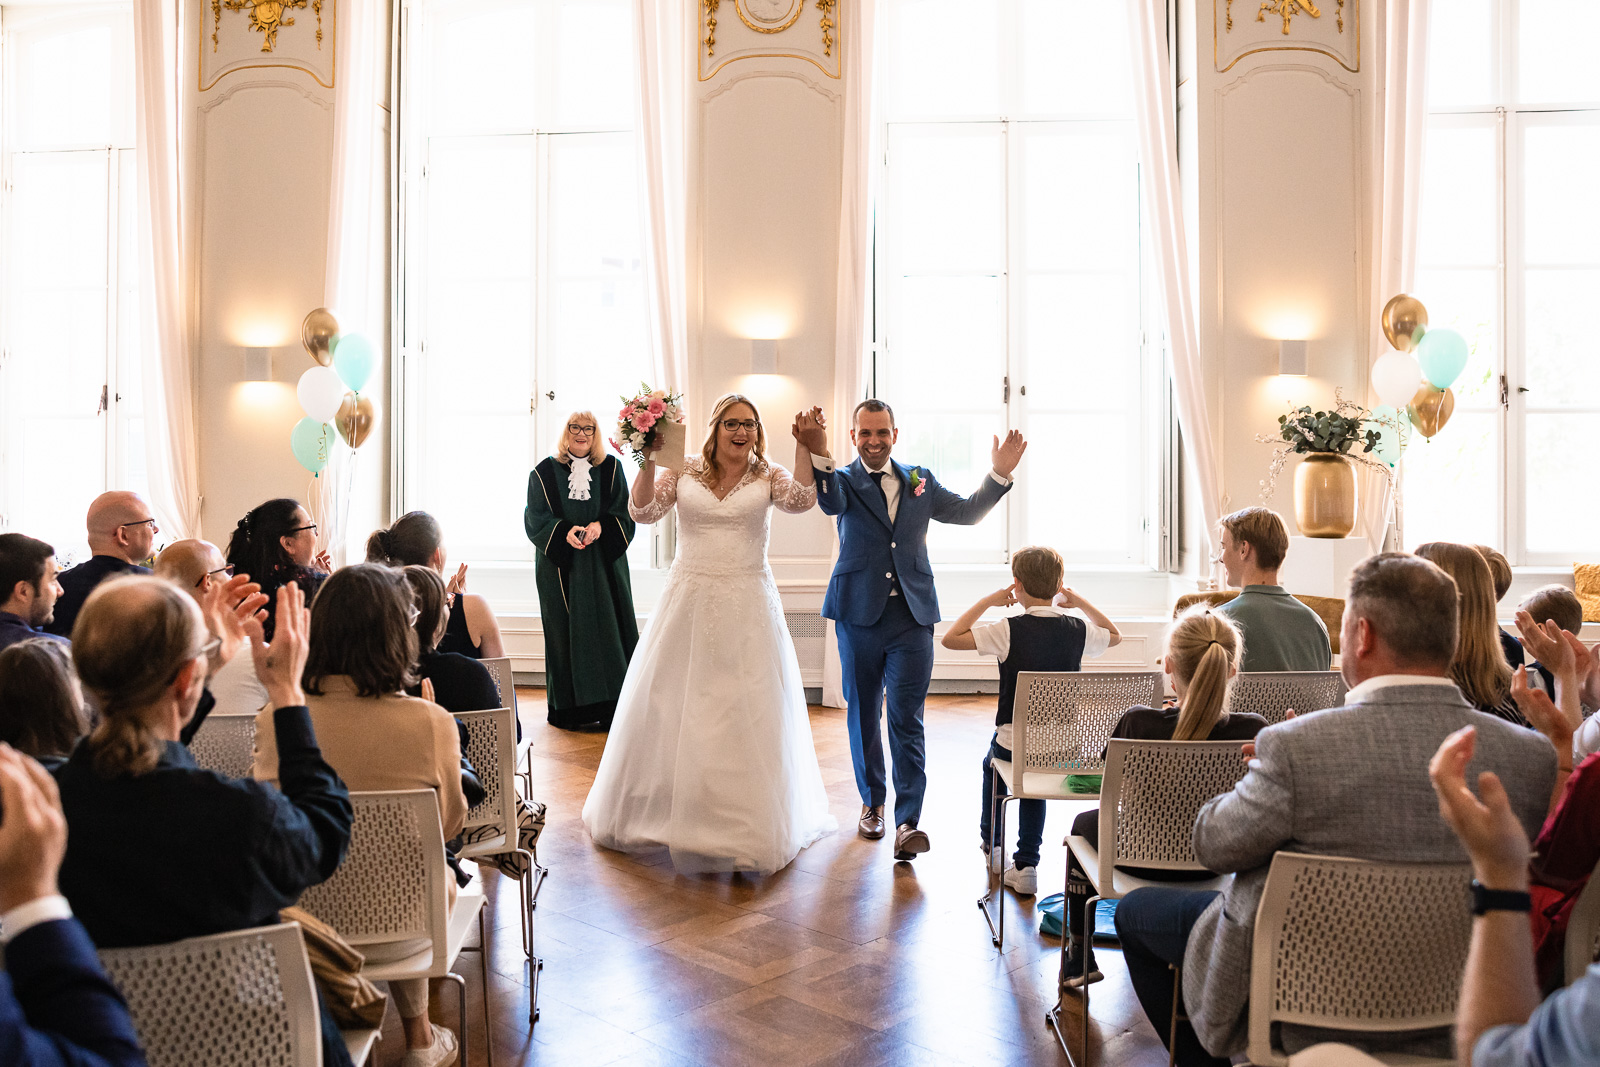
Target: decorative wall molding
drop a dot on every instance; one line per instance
(726, 84)
(1309, 28)
(768, 29)
(267, 34)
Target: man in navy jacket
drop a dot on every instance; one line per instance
(57, 1007)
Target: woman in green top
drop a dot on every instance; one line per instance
(577, 519)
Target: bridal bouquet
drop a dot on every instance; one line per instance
(643, 420)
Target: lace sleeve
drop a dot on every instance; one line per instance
(666, 495)
(788, 494)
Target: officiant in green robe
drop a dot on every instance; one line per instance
(577, 518)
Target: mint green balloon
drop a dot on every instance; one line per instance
(353, 359)
(310, 442)
(1394, 433)
(1442, 355)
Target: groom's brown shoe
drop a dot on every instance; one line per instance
(909, 842)
(871, 824)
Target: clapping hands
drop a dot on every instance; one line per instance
(811, 430)
(1495, 841)
(1008, 453)
(279, 665)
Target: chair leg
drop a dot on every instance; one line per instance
(996, 886)
(461, 1006)
(1172, 1033)
(483, 965)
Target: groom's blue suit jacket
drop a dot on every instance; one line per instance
(873, 552)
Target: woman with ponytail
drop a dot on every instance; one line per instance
(415, 540)
(276, 544)
(1202, 657)
(159, 849)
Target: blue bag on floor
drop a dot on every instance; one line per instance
(1052, 914)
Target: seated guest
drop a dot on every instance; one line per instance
(1479, 667)
(1557, 604)
(1203, 651)
(121, 532)
(276, 543)
(41, 704)
(57, 1007)
(1500, 571)
(415, 540)
(1500, 1021)
(29, 588)
(159, 848)
(1300, 795)
(459, 682)
(376, 737)
(196, 567)
(1280, 633)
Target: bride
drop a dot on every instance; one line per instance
(710, 754)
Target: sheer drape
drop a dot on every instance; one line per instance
(171, 452)
(1394, 268)
(1162, 196)
(663, 72)
(857, 36)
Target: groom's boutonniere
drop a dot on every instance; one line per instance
(918, 483)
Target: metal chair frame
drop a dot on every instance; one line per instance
(500, 669)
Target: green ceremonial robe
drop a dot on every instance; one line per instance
(585, 596)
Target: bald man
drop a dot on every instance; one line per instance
(195, 566)
(121, 533)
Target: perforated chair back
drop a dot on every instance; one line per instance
(1270, 694)
(500, 670)
(226, 744)
(1062, 719)
(1355, 945)
(222, 1000)
(1149, 798)
(391, 884)
(1583, 930)
(492, 750)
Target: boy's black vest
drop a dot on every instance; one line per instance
(1039, 643)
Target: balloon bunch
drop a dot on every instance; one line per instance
(1415, 377)
(330, 392)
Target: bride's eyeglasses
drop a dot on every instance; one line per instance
(735, 425)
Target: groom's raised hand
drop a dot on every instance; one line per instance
(811, 430)
(1008, 453)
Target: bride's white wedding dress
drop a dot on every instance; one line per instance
(710, 754)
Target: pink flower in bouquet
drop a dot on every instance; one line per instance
(644, 422)
(615, 447)
(659, 394)
(657, 406)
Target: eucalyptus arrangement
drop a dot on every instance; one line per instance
(1303, 430)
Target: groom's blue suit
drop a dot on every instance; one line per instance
(886, 642)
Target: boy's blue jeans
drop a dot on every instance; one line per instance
(1030, 813)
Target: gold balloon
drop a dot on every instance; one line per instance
(355, 419)
(1405, 320)
(317, 333)
(1430, 409)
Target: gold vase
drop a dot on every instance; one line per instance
(1324, 495)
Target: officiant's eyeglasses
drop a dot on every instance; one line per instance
(580, 431)
(735, 425)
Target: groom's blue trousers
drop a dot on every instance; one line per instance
(893, 657)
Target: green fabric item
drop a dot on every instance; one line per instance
(1280, 633)
(1082, 783)
(585, 596)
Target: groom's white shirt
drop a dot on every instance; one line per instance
(891, 486)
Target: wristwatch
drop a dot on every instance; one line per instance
(1485, 899)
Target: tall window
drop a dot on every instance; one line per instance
(524, 282)
(1509, 254)
(1008, 270)
(70, 424)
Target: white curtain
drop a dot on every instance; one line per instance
(354, 275)
(664, 53)
(1154, 99)
(857, 38)
(171, 453)
(1394, 269)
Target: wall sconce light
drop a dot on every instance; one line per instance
(1292, 357)
(763, 355)
(258, 364)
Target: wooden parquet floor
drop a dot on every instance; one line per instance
(843, 958)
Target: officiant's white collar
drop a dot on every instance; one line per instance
(578, 482)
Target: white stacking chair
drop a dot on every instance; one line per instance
(1061, 721)
(1354, 945)
(391, 888)
(500, 670)
(1150, 795)
(491, 748)
(225, 744)
(1583, 930)
(242, 997)
(1270, 694)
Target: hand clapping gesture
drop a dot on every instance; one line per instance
(1489, 830)
(280, 664)
(227, 624)
(33, 832)
(1008, 453)
(811, 431)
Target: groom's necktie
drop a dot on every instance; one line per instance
(877, 478)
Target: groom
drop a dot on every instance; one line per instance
(882, 600)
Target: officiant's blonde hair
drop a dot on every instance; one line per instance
(597, 443)
(708, 451)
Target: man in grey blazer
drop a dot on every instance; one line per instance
(1348, 781)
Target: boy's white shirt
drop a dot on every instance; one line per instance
(994, 639)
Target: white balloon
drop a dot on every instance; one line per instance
(320, 392)
(1396, 377)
